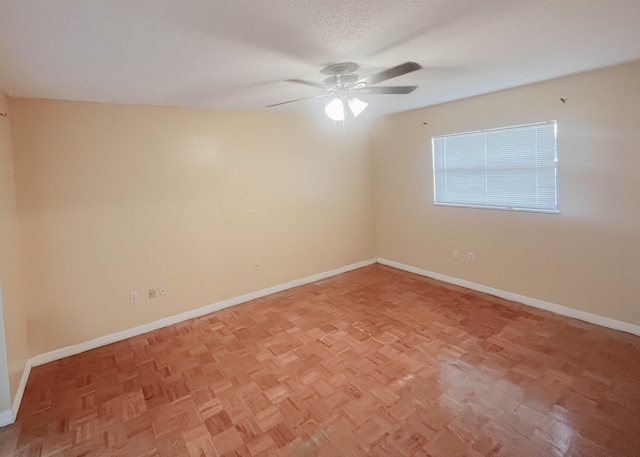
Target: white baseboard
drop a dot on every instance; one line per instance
(6, 417)
(553, 307)
(23, 384)
(119, 336)
(123, 335)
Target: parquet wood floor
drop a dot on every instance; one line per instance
(374, 362)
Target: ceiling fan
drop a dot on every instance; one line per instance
(343, 85)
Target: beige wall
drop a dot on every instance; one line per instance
(11, 272)
(118, 198)
(587, 257)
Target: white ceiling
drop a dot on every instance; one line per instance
(237, 54)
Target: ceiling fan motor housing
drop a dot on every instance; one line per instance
(342, 81)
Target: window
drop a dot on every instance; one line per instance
(513, 168)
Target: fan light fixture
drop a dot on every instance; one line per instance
(335, 109)
(357, 106)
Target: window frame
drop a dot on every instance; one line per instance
(504, 207)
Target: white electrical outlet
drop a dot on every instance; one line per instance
(455, 254)
(162, 290)
(470, 256)
(133, 297)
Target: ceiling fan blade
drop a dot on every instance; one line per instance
(299, 99)
(308, 83)
(399, 70)
(387, 90)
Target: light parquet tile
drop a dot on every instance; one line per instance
(374, 362)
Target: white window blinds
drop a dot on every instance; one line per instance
(508, 168)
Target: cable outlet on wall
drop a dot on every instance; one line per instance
(152, 293)
(162, 290)
(256, 265)
(470, 256)
(455, 254)
(133, 297)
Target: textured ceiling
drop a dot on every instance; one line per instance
(237, 54)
